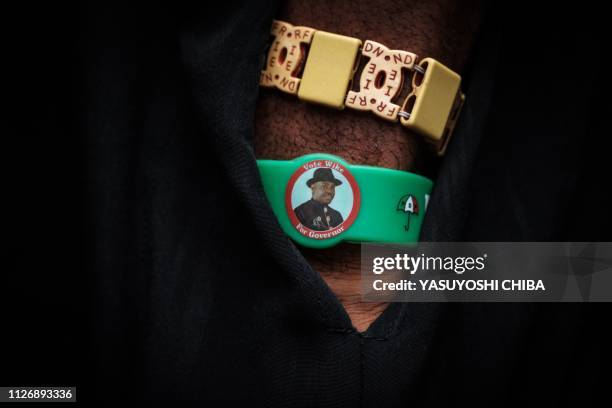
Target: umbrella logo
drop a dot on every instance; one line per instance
(409, 205)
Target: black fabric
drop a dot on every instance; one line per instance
(169, 279)
(314, 215)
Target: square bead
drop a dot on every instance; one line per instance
(329, 69)
(435, 103)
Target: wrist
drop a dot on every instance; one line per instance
(287, 128)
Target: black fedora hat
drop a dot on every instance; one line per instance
(323, 175)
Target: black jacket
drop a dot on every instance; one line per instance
(175, 298)
(317, 216)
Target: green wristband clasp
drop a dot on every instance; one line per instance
(321, 200)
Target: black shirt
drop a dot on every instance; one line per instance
(194, 294)
(318, 216)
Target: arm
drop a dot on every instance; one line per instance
(286, 128)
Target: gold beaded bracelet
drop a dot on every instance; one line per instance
(320, 67)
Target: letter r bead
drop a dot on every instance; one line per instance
(381, 80)
(286, 56)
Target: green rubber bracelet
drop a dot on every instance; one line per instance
(321, 200)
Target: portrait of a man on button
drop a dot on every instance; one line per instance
(316, 213)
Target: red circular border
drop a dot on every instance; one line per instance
(356, 198)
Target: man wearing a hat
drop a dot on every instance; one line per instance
(316, 213)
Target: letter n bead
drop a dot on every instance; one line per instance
(286, 56)
(381, 80)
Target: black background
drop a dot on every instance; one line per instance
(108, 148)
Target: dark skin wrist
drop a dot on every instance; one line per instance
(287, 128)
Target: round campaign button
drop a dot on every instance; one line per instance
(322, 199)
